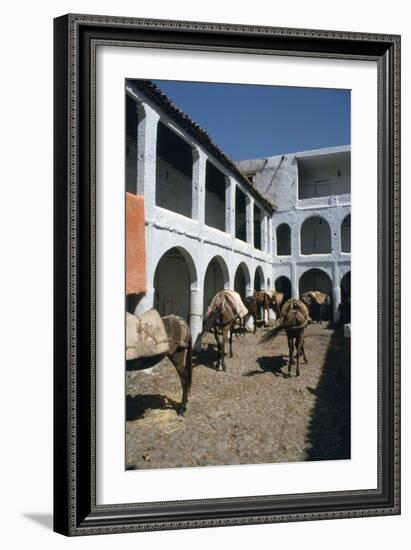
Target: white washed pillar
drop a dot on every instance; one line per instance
(147, 158)
(336, 302)
(250, 220)
(199, 177)
(336, 291)
(295, 240)
(294, 281)
(230, 190)
(196, 315)
(270, 236)
(264, 233)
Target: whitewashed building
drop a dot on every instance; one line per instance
(311, 227)
(213, 224)
(207, 227)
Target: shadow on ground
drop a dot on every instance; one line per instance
(206, 357)
(273, 364)
(329, 435)
(137, 406)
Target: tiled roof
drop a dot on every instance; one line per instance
(153, 93)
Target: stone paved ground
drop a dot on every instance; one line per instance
(253, 413)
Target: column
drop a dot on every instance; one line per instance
(295, 237)
(336, 291)
(147, 157)
(153, 257)
(336, 295)
(230, 206)
(335, 228)
(270, 236)
(196, 316)
(294, 281)
(250, 220)
(131, 164)
(264, 234)
(199, 177)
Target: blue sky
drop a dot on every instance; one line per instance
(248, 121)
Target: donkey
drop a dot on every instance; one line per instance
(225, 310)
(277, 299)
(316, 303)
(265, 300)
(293, 319)
(252, 306)
(170, 336)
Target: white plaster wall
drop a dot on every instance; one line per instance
(215, 211)
(166, 229)
(173, 188)
(278, 180)
(324, 175)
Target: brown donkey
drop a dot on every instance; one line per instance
(150, 338)
(265, 300)
(293, 319)
(225, 310)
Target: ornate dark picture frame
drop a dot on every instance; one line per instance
(75, 41)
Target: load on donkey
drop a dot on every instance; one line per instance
(150, 338)
(316, 303)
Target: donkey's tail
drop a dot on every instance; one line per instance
(189, 362)
(271, 334)
(284, 325)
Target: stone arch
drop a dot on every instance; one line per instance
(216, 278)
(345, 234)
(317, 279)
(283, 284)
(174, 278)
(259, 281)
(242, 280)
(315, 236)
(283, 234)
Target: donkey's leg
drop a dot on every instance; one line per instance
(298, 342)
(231, 329)
(303, 350)
(265, 311)
(290, 352)
(224, 337)
(178, 360)
(216, 335)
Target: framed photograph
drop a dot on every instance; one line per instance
(227, 207)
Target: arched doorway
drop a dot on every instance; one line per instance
(242, 280)
(283, 284)
(216, 279)
(174, 275)
(258, 279)
(317, 280)
(315, 236)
